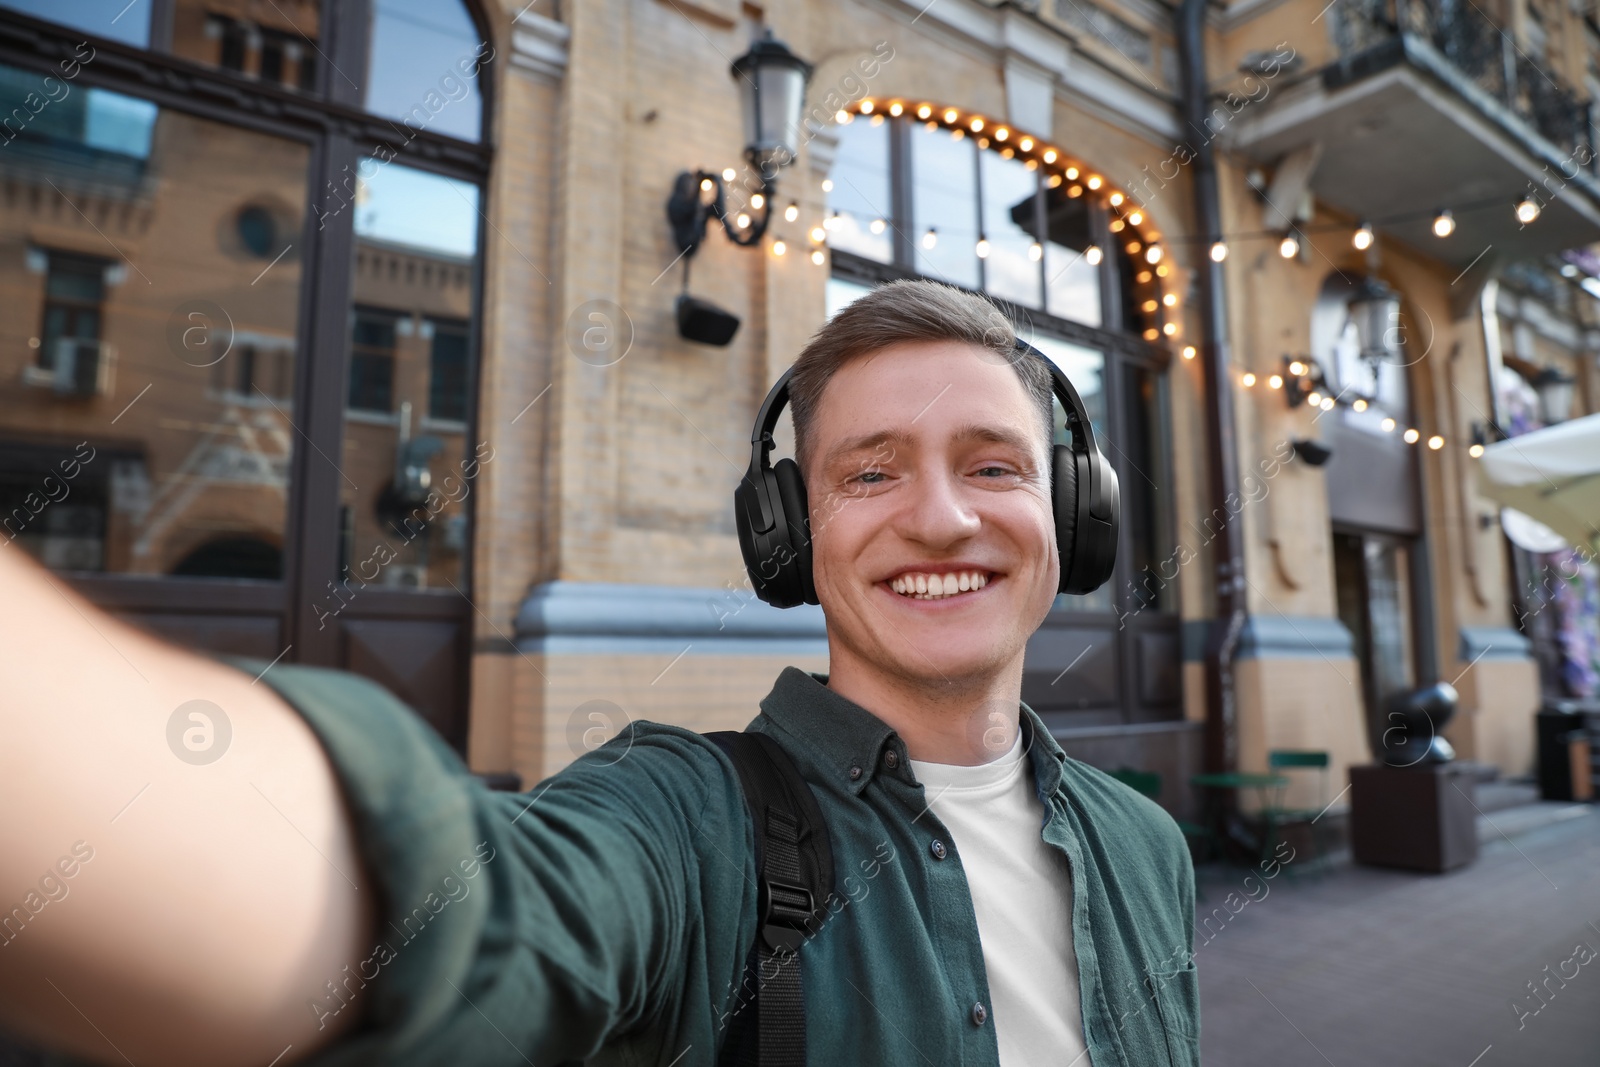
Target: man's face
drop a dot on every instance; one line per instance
(927, 471)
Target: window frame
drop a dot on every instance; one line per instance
(338, 134)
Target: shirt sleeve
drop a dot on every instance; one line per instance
(613, 900)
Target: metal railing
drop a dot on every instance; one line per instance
(1483, 52)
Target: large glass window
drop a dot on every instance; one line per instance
(1071, 277)
(944, 205)
(858, 203)
(1011, 248)
(405, 459)
(136, 436)
(239, 336)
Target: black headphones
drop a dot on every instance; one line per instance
(769, 505)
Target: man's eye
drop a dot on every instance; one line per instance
(994, 472)
(870, 477)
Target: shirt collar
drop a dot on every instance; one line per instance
(849, 744)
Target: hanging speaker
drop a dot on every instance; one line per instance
(705, 323)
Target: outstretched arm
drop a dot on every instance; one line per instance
(155, 907)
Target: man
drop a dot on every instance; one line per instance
(997, 901)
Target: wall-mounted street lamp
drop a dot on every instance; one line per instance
(1375, 310)
(1555, 395)
(772, 89)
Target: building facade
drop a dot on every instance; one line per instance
(355, 326)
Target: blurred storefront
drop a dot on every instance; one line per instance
(355, 324)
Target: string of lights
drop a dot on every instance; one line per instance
(1302, 381)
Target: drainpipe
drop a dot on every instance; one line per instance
(1221, 742)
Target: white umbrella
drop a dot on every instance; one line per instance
(1552, 475)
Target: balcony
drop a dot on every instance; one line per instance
(1430, 104)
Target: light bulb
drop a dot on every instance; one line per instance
(831, 222)
(779, 248)
(1247, 379)
(1152, 254)
(1387, 425)
(1444, 224)
(706, 185)
(897, 109)
(1527, 210)
(1219, 252)
(1135, 218)
(1170, 300)
(1074, 191)
(1054, 182)
(1275, 382)
(983, 248)
(1151, 334)
(827, 185)
(1314, 399)
(1036, 251)
(1359, 403)
(1072, 174)
(1411, 436)
(1095, 181)
(1327, 403)
(1163, 270)
(819, 234)
(791, 212)
(1093, 255)
(951, 115)
(877, 226)
(817, 257)
(742, 221)
(1116, 199)
(1149, 305)
(728, 174)
(1297, 368)
(1188, 352)
(1288, 248)
(1001, 134)
(1133, 247)
(842, 117)
(1475, 450)
(1026, 144)
(923, 111)
(866, 107)
(1362, 238)
(1050, 156)
(1436, 442)
(757, 201)
(1170, 329)
(1144, 276)
(930, 239)
(1117, 226)
(977, 125)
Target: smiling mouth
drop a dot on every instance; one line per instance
(929, 586)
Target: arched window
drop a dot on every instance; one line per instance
(925, 191)
(238, 307)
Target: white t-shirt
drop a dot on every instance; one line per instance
(1022, 893)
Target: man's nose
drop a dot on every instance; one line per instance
(937, 512)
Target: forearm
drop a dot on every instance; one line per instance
(217, 899)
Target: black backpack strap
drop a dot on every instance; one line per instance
(794, 879)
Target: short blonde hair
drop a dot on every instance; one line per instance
(908, 310)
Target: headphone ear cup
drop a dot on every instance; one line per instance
(796, 573)
(1064, 501)
(1094, 545)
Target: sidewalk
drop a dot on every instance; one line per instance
(1363, 967)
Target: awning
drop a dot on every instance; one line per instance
(1552, 475)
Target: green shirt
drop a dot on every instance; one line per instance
(606, 914)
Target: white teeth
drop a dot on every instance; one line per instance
(939, 586)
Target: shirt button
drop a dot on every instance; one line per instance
(979, 1013)
(855, 773)
(937, 848)
(891, 759)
